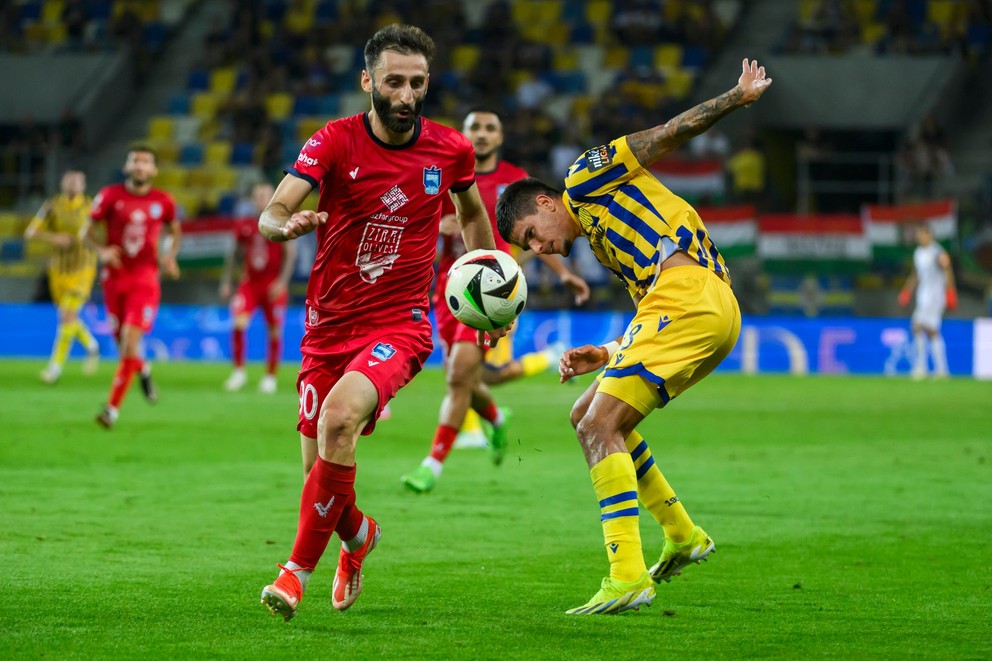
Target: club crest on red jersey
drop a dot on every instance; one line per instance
(432, 180)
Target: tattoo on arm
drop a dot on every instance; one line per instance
(649, 145)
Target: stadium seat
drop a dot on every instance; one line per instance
(12, 250)
(188, 201)
(218, 152)
(616, 57)
(667, 57)
(51, 12)
(641, 57)
(354, 103)
(155, 35)
(29, 12)
(186, 128)
(243, 153)
(305, 128)
(171, 177)
(599, 12)
(198, 80)
(694, 57)
(226, 203)
(305, 105)
(160, 127)
(178, 104)
(325, 12)
(464, 58)
(204, 105)
(328, 105)
(191, 154)
(679, 83)
(582, 33)
(565, 59)
(278, 105)
(166, 151)
(223, 80)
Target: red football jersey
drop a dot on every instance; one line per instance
(134, 223)
(375, 255)
(263, 258)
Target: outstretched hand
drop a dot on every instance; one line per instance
(752, 82)
(582, 360)
(303, 222)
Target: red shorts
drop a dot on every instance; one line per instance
(253, 295)
(450, 330)
(132, 301)
(389, 356)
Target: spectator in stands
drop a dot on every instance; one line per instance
(75, 18)
(637, 22)
(747, 173)
(924, 164)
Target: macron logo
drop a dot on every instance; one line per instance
(354, 173)
(323, 509)
(613, 547)
(373, 362)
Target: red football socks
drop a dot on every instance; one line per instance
(238, 347)
(126, 370)
(444, 438)
(272, 360)
(328, 490)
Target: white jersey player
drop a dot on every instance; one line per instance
(933, 280)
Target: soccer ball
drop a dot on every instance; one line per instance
(486, 289)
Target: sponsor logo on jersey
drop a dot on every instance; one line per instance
(138, 216)
(378, 249)
(432, 180)
(155, 210)
(306, 160)
(313, 143)
(383, 351)
(598, 158)
(394, 198)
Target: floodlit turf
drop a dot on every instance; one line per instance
(852, 519)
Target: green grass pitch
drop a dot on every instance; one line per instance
(852, 518)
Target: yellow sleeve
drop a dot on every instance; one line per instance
(601, 170)
(41, 220)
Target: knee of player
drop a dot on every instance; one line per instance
(459, 378)
(589, 428)
(578, 412)
(337, 426)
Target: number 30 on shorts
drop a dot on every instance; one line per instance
(308, 400)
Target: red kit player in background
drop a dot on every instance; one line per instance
(133, 213)
(382, 177)
(265, 273)
(464, 367)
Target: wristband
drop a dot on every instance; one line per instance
(611, 348)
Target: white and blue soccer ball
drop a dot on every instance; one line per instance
(486, 289)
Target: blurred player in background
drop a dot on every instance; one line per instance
(266, 269)
(382, 177)
(687, 321)
(62, 222)
(133, 214)
(933, 280)
(464, 358)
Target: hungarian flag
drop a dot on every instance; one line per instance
(691, 179)
(889, 226)
(734, 230)
(836, 242)
(206, 241)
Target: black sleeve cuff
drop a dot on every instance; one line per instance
(305, 177)
(462, 188)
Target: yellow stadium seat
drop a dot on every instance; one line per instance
(547, 11)
(464, 58)
(12, 224)
(218, 153)
(616, 57)
(160, 127)
(224, 178)
(864, 10)
(523, 13)
(806, 10)
(679, 83)
(204, 104)
(57, 34)
(188, 200)
(51, 11)
(299, 18)
(171, 177)
(223, 81)
(167, 151)
(598, 12)
(557, 34)
(668, 57)
(279, 106)
(307, 126)
(871, 33)
(200, 177)
(35, 32)
(566, 59)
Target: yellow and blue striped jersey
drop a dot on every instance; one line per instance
(632, 221)
(65, 215)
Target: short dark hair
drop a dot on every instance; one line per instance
(486, 109)
(519, 199)
(404, 39)
(145, 148)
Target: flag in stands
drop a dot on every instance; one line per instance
(837, 241)
(694, 180)
(888, 226)
(734, 230)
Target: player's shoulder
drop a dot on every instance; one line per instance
(438, 132)
(508, 170)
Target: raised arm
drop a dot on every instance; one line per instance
(477, 230)
(280, 220)
(650, 145)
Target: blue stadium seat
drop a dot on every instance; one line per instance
(30, 12)
(178, 104)
(226, 204)
(574, 12)
(290, 150)
(155, 35)
(99, 10)
(694, 57)
(582, 33)
(12, 250)
(325, 12)
(243, 153)
(198, 80)
(329, 104)
(305, 105)
(191, 154)
(642, 56)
